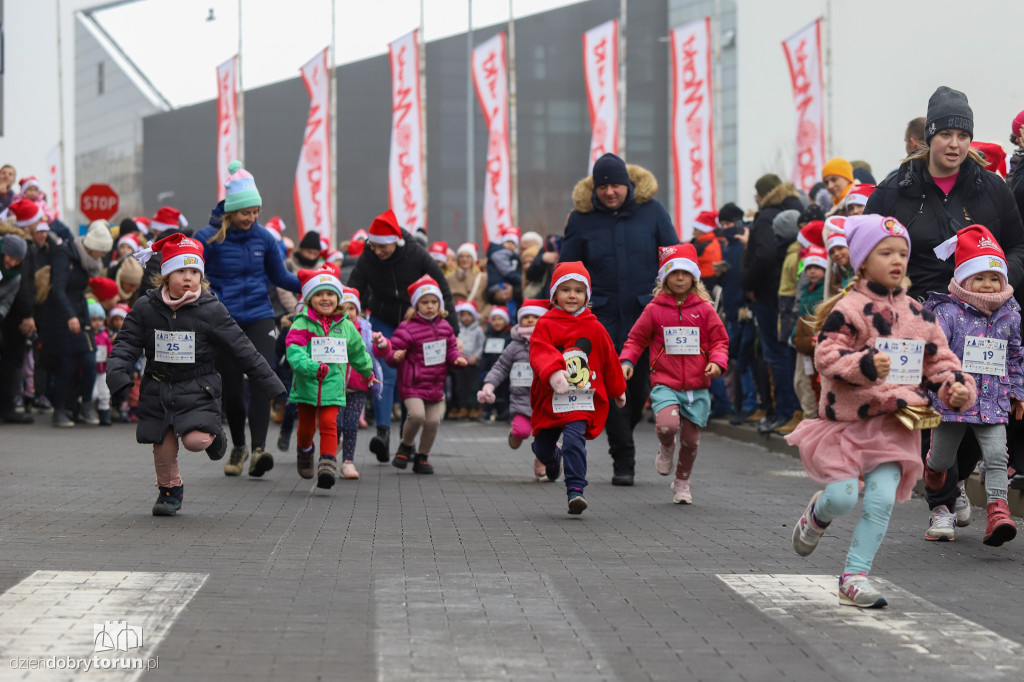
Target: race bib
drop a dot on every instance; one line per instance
(808, 366)
(985, 356)
(434, 352)
(573, 401)
(494, 345)
(682, 340)
(179, 347)
(906, 358)
(101, 353)
(328, 350)
(521, 374)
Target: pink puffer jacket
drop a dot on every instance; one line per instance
(415, 379)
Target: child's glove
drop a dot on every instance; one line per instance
(620, 401)
(560, 381)
(321, 373)
(379, 340)
(485, 395)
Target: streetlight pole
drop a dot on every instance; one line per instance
(470, 184)
(513, 128)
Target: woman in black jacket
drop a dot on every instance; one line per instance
(937, 191)
(391, 262)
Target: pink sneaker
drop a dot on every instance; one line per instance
(664, 462)
(348, 470)
(681, 487)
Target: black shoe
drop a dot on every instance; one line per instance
(283, 440)
(553, 471)
(42, 404)
(767, 425)
(622, 479)
(420, 465)
(739, 418)
(89, 414)
(169, 501)
(218, 447)
(380, 445)
(105, 417)
(401, 459)
(13, 417)
(60, 418)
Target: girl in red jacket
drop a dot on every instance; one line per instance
(574, 371)
(689, 347)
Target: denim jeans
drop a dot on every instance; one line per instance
(742, 336)
(389, 380)
(780, 357)
(574, 452)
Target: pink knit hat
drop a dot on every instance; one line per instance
(863, 232)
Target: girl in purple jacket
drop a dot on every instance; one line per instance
(423, 347)
(982, 322)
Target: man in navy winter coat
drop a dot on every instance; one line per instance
(616, 229)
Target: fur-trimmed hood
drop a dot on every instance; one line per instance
(645, 186)
(775, 197)
(11, 228)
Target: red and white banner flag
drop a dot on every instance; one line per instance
(693, 130)
(312, 194)
(490, 76)
(601, 70)
(227, 120)
(405, 168)
(55, 177)
(803, 55)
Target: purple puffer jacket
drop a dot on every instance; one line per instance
(415, 379)
(959, 320)
(518, 350)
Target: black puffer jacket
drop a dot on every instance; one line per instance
(978, 197)
(68, 282)
(762, 261)
(184, 397)
(383, 284)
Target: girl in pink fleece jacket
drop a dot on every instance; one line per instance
(878, 352)
(688, 348)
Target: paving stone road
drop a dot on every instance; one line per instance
(475, 573)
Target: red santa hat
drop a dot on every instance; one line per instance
(995, 155)
(810, 235)
(351, 295)
(325, 245)
(570, 270)
(858, 195)
(976, 251)
(357, 244)
(30, 181)
(510, 233)
(142, 223)
(502, 312)
(468, 307)
(167, 218)
(327, 276)
(334, 256)
(439, 251)
(27, 212)
(425, 285)
(385, 230)
(706, 222)
(532, 306)
(835, 232)
(178, 252)
(131, 239)
(468, 248)
(679, 257)
(275, 226)
(120, 310)
(815, 255)
(103, 288)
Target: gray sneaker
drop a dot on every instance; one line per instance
(941, 525)
(807, 532)
(962, 508)
(236, 459)
(857, 590)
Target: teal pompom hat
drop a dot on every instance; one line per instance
(241, 189)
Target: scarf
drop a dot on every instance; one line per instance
(985, 303)
(92, 266)
(175, 303)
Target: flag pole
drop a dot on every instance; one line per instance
(333, 158)
(512, 120)
(622, 78)
(470, 188)
(421, 54)
(241, 92)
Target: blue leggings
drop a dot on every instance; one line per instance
(879, 496)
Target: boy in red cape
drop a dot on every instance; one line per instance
(575, 369)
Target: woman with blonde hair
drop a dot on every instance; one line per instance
(467, 281)
(240, 256)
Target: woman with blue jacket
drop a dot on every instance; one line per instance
(240, 256)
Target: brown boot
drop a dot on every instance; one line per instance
(1001, 527)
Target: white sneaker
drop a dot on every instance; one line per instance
(681, 487)
(807, 533)
(962, 508)
(664, 462)
(857, 590)
(941, 525)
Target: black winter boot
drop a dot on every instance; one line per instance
(420, 465)
(402, 456)
(380, 445)
(105, 418)
(169, 501)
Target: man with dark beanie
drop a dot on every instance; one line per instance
(616, 229)
(938, 190)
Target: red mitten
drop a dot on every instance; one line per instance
(321, 373)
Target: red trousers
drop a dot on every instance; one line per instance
(327, 416)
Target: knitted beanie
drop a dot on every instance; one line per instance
(766, 183)
(863, 232)
(98, 238)
(14, 246)
(838, 166)
(610, 170)
(240, 189)
(948, 108)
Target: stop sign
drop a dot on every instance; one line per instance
(99, 202)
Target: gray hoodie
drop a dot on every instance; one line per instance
(518, 350)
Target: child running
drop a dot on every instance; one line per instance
(177, 324)
(575, 369)
(689, 347)
(982, 322)
(357, 386)
(423, 347)
(879, 352)
(321, 345)
(514, 366)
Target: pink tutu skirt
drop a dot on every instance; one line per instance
(836, 451)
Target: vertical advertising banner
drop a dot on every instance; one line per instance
(693, 152)
(405, 167)
(803, 56)
(601, 70)
(227, 120)
(54, 181)
(490, 77)
(312, 194)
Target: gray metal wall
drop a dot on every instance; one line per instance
(554, 129)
